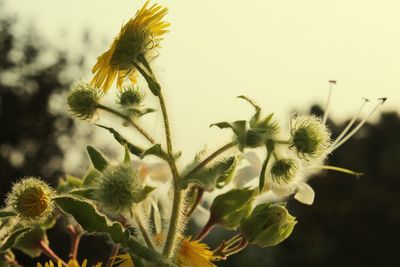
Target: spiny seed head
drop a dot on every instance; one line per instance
(131, 97)
(284, 171)
(31, 199)
(118, 188)
(82, 100)
(310, 136)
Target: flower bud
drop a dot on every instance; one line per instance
(230, 208)
(82, 100)
(31, 199)
(310, 136)
(131, 97)
(284, 171)
(268, 225)
(119, 188)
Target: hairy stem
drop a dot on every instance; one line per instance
(50, 253)
(128, 119)
(142, 229)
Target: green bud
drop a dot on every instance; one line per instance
(310, 136)
(268, 225)
(31, 199)
(231, 208)
(130, 97)
(284, 170)
(119, 189)
(82, 100)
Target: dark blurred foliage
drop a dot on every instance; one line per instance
(32, 75)
(353, 221)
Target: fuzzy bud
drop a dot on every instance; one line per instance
(131, 97)
(119, 189)
(31, 199)
(82, 100)
(310, 136)
(284, 170)
(268, 225)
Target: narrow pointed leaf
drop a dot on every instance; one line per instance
(99, 162)
(134, 149)
(10, 241)
(7, 213)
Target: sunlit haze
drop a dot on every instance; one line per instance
(280, 53)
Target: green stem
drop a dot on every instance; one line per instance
(177, 202)
(338, 169)
(128, 119)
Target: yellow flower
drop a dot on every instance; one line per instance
(123, 260)
(192, 253)
(139, 36)
(71, 263)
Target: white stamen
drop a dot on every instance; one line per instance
(381, 101)
(350, 124)
(328, 102)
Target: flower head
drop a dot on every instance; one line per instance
(119, 188)
(137, 38)
(82, 100)
(284, 171)
(130, 97)
(310, 136)
(192, 253)
(31, 199)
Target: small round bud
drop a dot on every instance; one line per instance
(82, 100)
(310, 136)
(230, 208)
(268, 225)
(31, 199)
(131, 97)
(119, 189)
(284, 170)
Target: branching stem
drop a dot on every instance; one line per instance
(129, 120)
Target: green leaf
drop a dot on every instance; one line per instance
(69, 183)
(83, 192)
(28, 243)
(91, 176)
(155, 150)
(238, 128)
(7, 213)
(94, 222)
(216, 175)
(88, 217)
(135, 150)
(12, 238)
(99, 162)
(127, 157)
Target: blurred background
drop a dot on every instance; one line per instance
(280, 53)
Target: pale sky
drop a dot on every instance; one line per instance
(280, 53)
